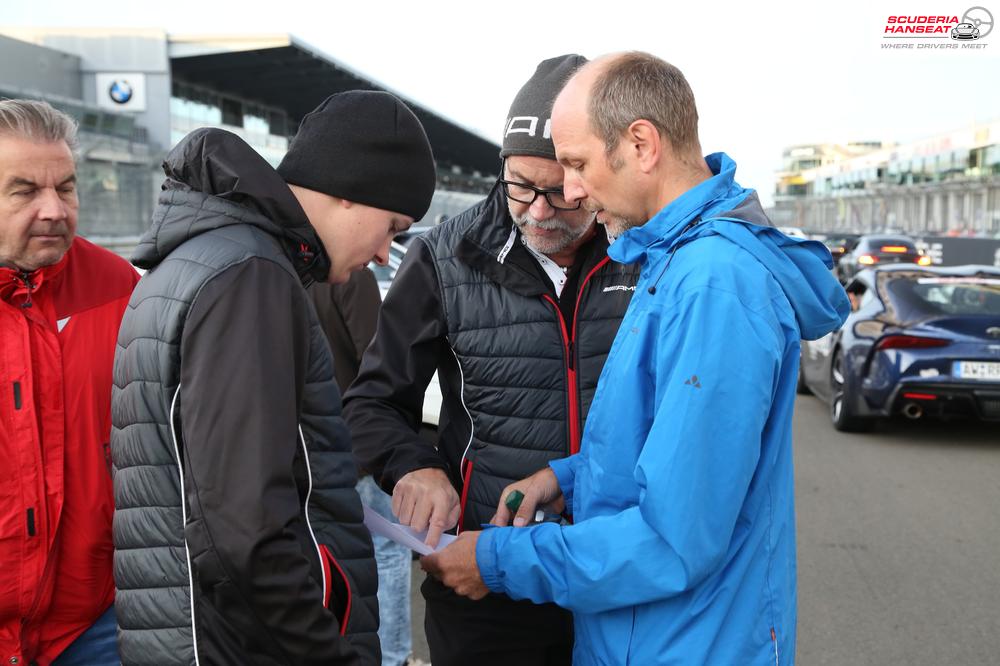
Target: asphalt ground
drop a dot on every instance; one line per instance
(898, 543)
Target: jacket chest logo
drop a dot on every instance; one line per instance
(693, 382)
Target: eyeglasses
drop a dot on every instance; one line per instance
(526, 194)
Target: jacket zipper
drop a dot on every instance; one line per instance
(25, 278)
(466, 482)
(28, 286)
(569, 346)
(572, 393)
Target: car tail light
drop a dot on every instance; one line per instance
(894, 249)
(919, 396)
(867, 260)
(923, 260)
(910, 342)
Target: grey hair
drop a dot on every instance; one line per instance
(639, 86)
(36, 121)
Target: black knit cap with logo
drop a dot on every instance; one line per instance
(529, 116)
(367, 147)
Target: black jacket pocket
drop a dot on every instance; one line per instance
(338, 588)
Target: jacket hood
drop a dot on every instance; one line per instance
(214, 179)
(801, 267)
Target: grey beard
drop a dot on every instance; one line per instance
(568, 234)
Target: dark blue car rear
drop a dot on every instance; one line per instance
(920, 342)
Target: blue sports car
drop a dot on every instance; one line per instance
(920, 341)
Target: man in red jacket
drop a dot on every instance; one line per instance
(61, 301)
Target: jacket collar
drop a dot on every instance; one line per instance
(16, 284)
(718, 193)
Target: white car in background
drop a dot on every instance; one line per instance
(793, 232)
(385, 274)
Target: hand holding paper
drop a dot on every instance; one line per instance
(456, 566)
(401, 534)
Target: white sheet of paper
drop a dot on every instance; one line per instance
(401, 534)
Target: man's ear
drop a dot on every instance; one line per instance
(645, 144)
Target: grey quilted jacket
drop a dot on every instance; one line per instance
(238, 533)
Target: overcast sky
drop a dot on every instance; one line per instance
(765, 75)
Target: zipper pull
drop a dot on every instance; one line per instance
(26, 279)
(571, 352)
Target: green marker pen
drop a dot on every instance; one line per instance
(513, 501)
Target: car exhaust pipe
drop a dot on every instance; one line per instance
(912, 411)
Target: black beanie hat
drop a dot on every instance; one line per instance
(528, 128)
(367, 147)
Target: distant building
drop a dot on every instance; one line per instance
(946, 184)
(137, 92)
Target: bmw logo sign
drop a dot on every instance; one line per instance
(120, 91)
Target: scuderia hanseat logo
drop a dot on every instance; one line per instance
(924, 31)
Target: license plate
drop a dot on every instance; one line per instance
(982, 370)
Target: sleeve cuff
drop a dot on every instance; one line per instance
(565, 473)
(486, 559)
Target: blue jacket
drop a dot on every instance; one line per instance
(683, 546)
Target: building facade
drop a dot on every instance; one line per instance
(136, 93)
(945, 185)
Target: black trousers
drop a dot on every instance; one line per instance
(495, 630)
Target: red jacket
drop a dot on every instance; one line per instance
(58, 328)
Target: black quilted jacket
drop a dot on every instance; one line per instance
(517, 364)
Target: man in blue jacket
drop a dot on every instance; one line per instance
(682, 549)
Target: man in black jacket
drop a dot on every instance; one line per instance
(238, 531)
(515, 304)
(348, 313)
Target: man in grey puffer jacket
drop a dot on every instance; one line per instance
(238, 532)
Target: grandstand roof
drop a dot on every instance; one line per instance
(283, 72)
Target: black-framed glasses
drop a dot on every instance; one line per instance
(526, 194)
